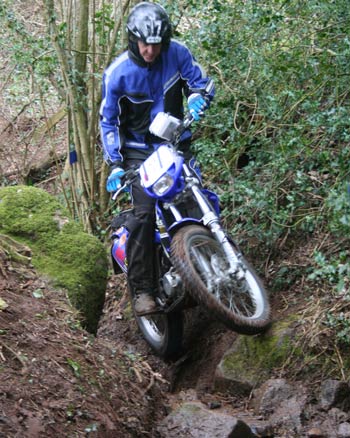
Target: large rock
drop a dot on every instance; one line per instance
(195, 420)
(252, 359)
(73, 259)
(284, 404)
(335, 393)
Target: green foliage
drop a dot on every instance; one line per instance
(340, 325)
(281, 71)
(335, 270)
(276, 141)
(28, 50)
(338, 206)
(104, 24)
(75, 367)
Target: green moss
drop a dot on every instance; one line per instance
(61, 249)
(29, 213)
(254, 357)
(190, 409)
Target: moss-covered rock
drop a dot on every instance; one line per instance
(252, 359)
(61, 249)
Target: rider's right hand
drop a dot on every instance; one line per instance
(114, 179)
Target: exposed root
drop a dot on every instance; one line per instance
(13, 250)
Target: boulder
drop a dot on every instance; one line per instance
(193, 419)
(335, 393)
(284, 404)
(252, 359)
(73, 259)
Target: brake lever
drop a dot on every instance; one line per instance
(188, 120)
(118, 192)
(128, 179)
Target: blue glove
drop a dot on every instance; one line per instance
(114, 179)
(197, 104)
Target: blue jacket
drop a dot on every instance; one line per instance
(133, 93)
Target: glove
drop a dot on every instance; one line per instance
(113, 181)
(197, 104)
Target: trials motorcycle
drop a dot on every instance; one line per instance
(197, 262)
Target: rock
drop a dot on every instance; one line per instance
(282, 403)
(338, 416)
(270, 396)
(61, 250)
(228, 384)
(344, 430)
(251, 359)
(329, 422)
(196, 421)
(335, 393)
(214, 405)
(259, 426)
(315, 432)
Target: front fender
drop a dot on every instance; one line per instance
(182, 223)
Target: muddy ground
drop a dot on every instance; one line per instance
(57, 380)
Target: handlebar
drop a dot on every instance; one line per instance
(188, 120)
(186, 123)
(131, 174)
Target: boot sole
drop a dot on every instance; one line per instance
(149, 312)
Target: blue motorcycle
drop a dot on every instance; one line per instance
(197, 262)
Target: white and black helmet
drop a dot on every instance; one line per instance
(149, 23)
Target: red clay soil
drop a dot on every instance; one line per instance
(57, 380)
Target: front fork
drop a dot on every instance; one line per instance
(211, 220)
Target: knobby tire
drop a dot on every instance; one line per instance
(245, 313)
(162, 331)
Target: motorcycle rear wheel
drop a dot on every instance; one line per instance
(163, 332)
(201, 262)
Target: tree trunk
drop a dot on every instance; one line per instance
(77, 55)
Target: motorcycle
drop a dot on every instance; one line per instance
(197, 262)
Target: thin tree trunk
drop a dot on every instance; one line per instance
(76, 51)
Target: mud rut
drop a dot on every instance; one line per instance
(191, 376)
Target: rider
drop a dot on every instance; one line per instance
(153, 75)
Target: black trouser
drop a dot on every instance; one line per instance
(141, 248)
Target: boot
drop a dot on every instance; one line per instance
(144, 304)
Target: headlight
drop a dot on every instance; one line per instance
(163, 185)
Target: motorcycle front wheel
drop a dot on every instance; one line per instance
(241, 304)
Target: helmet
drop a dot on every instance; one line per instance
(149, 23)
